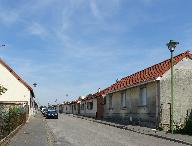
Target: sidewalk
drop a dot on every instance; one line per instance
(33, 133)
(184, 139)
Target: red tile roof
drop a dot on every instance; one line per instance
(15, 75)
(148, 74)
(102, 92)
(88, 97)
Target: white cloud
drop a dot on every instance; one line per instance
(37, 29)
(9, 17)
(94, 9)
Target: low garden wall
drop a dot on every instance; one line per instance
(11, 116)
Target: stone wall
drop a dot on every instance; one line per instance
(182, 94)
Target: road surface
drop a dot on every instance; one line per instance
(72, 131)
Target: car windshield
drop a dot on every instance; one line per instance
(52, 111)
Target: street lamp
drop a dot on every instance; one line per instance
(34, 105)
(171, 46)
(34, 84)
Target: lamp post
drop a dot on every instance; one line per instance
(171, 46)
(34, 106)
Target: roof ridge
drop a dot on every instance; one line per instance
(148, 73)
(184, 53)
(15, 74)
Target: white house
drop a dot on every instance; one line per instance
(18, 91)
(88, 106)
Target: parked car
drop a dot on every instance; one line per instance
(52, 113)
(44, 111)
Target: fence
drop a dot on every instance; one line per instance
(11, 116)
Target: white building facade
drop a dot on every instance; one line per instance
(18, 91)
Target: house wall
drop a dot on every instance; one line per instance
(91, 113)
(66, 108)
(75, 108)
(16, 90)
(133, 113)
(100, 107)
(83, 111)
(61, 108)
(70, 109)
(182, 93)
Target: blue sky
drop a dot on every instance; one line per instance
(75, 47)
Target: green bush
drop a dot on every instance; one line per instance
(12, 118)
(187, 129)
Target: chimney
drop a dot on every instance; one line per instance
(99, 90)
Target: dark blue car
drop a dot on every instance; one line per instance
(52, 113)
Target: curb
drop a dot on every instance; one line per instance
(137, 131)
(6, 140)
(160, 136)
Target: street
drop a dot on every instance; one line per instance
(72, 131)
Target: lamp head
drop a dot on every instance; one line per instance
(35, 84)
(172, 45)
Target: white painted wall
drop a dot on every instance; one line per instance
(66, 108)
(83, 111)
(92, 113)
(16, 90)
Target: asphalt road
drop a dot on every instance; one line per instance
(72, 131)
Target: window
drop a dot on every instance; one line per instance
(123, 99)
(90, 105)
(143, 96)
(110, 101)
(75, 107)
